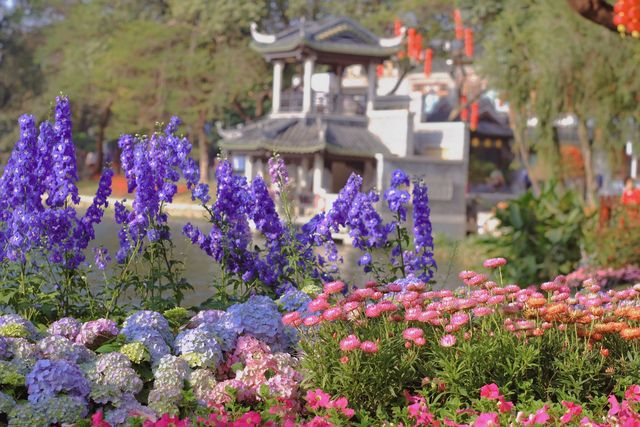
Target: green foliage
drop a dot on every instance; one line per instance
(616, 246)
(542, 236)
(554, 367)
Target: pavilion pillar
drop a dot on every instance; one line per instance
(248, 168)
(278, 66)
(372, 82)
(379, 171)
(304, 165)
(258, 167)
(306, 85)
(318, 167)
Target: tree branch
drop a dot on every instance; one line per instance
(598, 11)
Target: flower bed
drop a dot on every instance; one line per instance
(281, 341)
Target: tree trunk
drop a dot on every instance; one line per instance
(203, 148)
(104, 122)
(585, 145)
(515, 121)
(598, 11)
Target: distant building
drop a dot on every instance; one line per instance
(329, 124)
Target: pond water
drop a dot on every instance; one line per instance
(202, 272)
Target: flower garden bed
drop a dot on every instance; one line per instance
(281, 341)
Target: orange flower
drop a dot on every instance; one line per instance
(604, 352)
(630, 333)
(536, 302)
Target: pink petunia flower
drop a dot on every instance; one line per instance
(572, 410)
(490, 391)
(318, 399)
(487, 419)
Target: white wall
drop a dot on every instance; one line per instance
(393, 127)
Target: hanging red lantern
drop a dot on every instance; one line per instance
(464, 113)
(417, 48)
(411, 40)
(397, 27)
(457, 18)
(428, 58)
(379, 70)
(468, 42)
(475, 116)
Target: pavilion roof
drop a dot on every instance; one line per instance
(305, 136)
(332, 40)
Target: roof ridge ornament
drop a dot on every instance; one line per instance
(259, 37)
(393, 41)
(227, 133)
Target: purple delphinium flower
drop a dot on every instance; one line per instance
(153, 165)
(278, 171)
(102, 257)
(339, 212)
(46, 164)
(422, 264)
(398, 178)
(63, 158)
(228, 240)
(366, 226)
(49, 378)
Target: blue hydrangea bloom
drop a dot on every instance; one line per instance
(199, 346)
(49, 378)
(260, 318)
(148, 319)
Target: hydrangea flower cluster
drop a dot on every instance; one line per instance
(153, 165)
(49, 378)
(56, 347)
(14, 326)
(199, 347)
(95, 332)
(113, 379)
(170, 375)
(260, 368)
(67, 327)
(44, 163)
(260, 318)
(152, 330)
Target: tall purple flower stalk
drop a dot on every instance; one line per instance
(422, 263)
(42, 164)
(153, 165)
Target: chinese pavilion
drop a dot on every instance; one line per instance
(319, 127)
(332, 121)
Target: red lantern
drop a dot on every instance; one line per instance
(411, 40)
(379, 70)
(428, 58)
(464, 113)
(397, 27)
(468, 42)
(475, 116)
(418, 47)
(457, 18)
